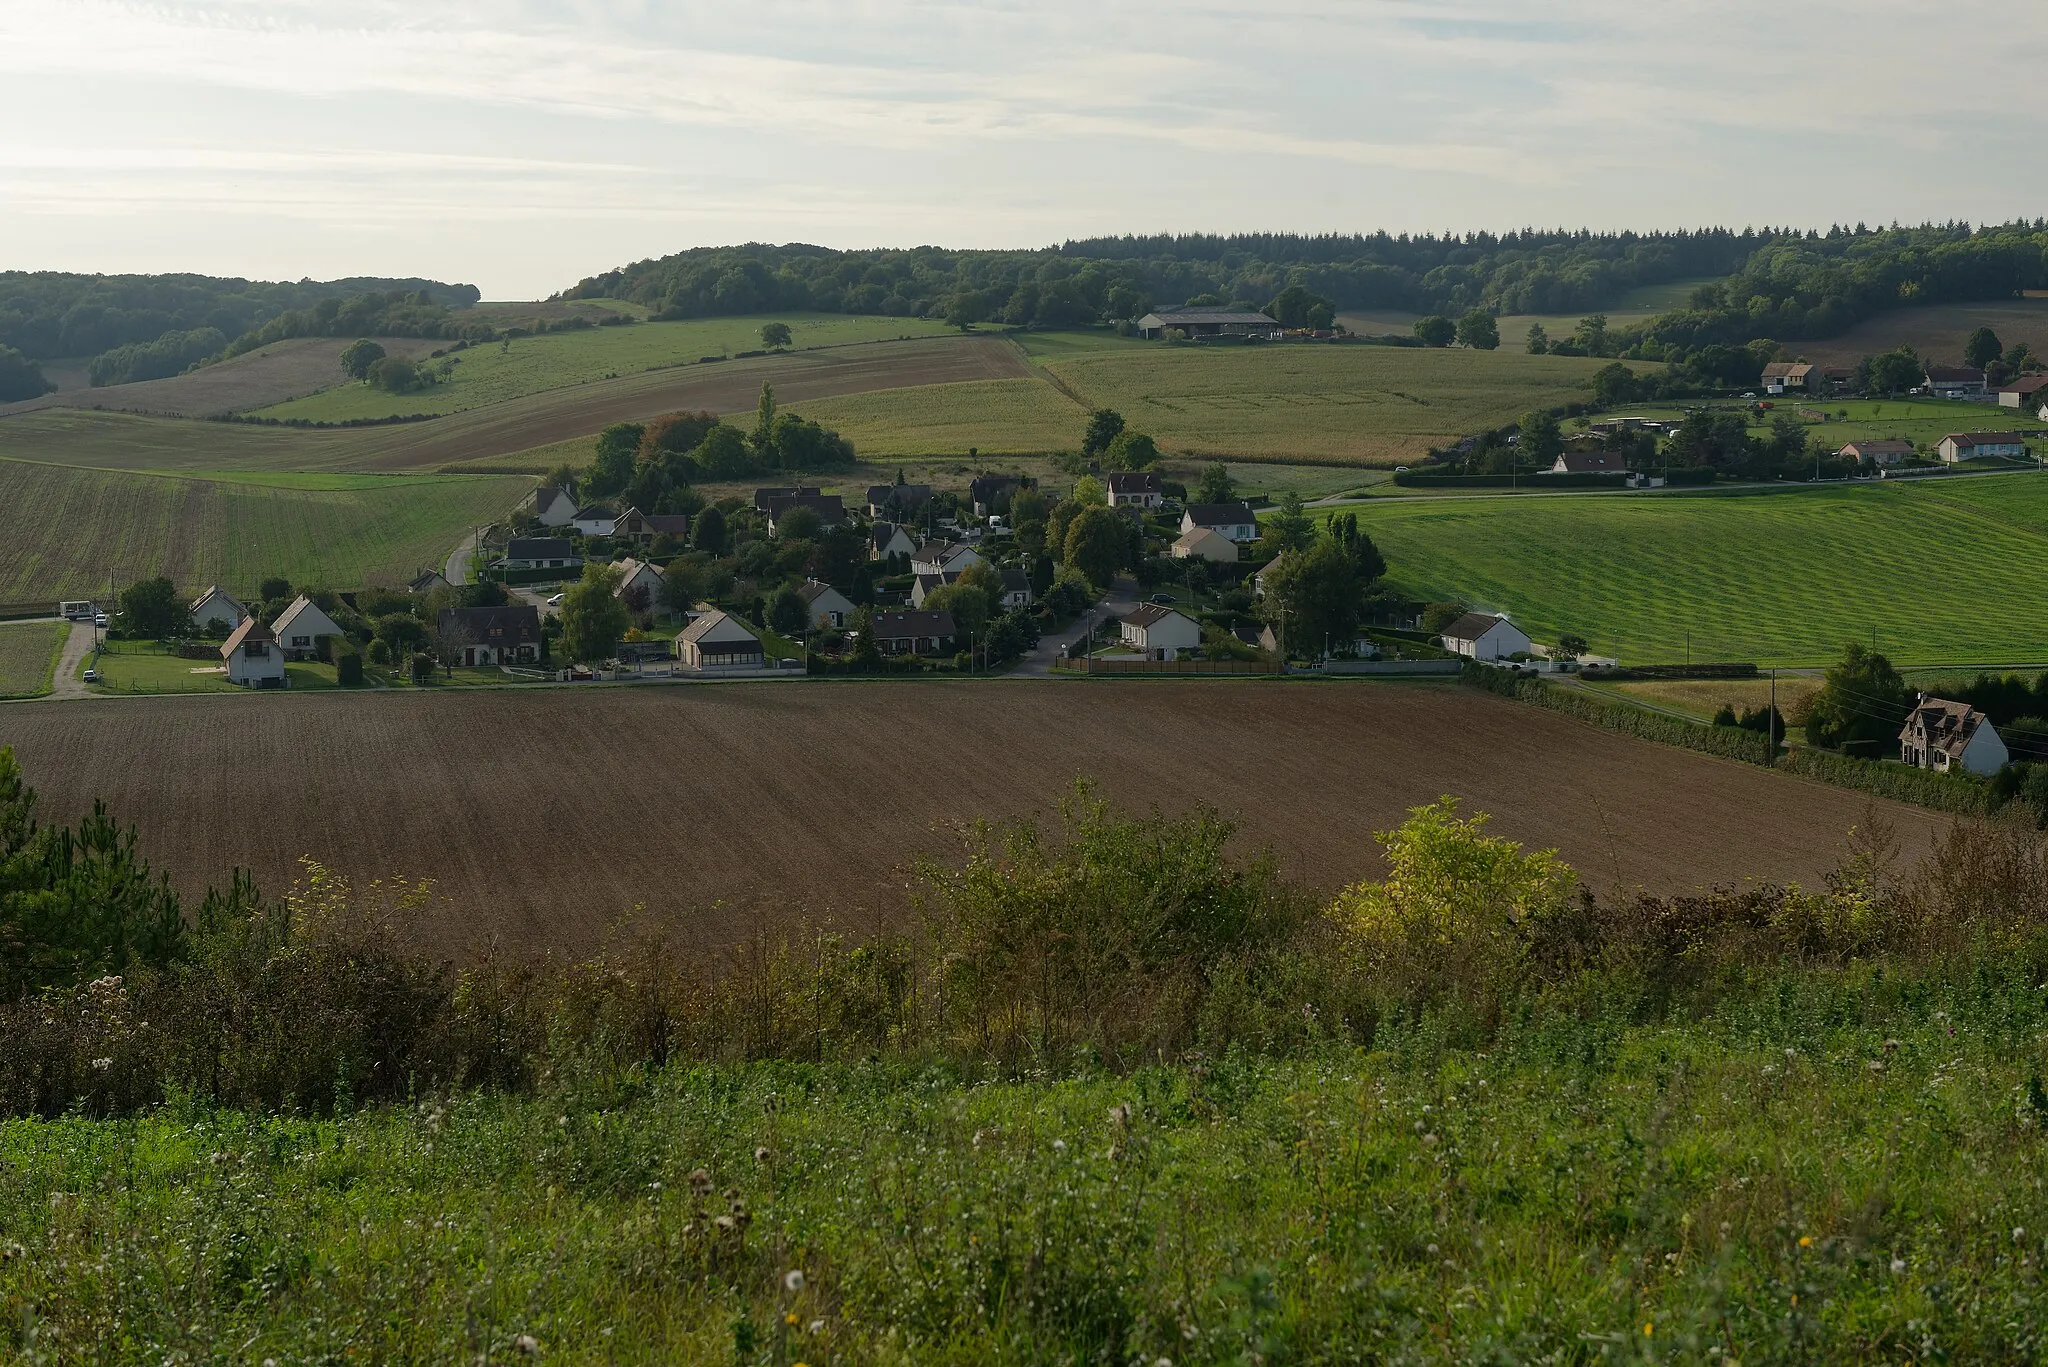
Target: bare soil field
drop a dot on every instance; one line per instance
(280, 371)
(64, 435)
(726, 809)
(1937, 332)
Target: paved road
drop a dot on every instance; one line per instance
(1123, 596)
(456, 571)
(66, 684)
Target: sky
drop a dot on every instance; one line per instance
(521, 145)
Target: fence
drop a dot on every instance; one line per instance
(1442, 668)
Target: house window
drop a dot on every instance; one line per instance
(497, 631)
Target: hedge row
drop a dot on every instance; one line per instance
(1588, 480)
(1728, 742)
(1921, 787)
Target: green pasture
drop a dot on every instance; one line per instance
(28, 656)
(1351, 404)
(1937, 572)
(76, 527)
(145, 667)
(501, 371)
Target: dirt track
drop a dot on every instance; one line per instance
(544, 814)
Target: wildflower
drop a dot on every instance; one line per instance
(561, 1122)
(2018, 1233)
(977, 1139)
(726, 1223)
(1059, 1146)
(1120, 1114)
(1429, 1141)
(1898, 1265)
(1649, 1329)
(1876, 1065)
(700, 1182)
(761, 1154)
(1891, 1046)
(790, 1319)
(1806, 1241)
(816, 1327)
(11, 1252)
(527, 1344)
(102, 1064)
(1432, 1250)
(793, 1281)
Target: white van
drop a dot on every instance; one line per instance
(81, 611)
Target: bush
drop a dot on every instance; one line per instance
(1727, 742)
(1890, 779)
(348, 668)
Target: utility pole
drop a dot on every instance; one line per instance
(1771, 718)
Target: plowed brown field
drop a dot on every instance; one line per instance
(722, 809)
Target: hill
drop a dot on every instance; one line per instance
(1928, 569)
(80, 526)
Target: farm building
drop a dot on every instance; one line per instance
(1136, 489)
(1483, 636)
(826, 606)
(640, 585)
(1203, 544)
(553, 507)
(1890, 451)
(914, 633)
(215, 608)
(1590, 463)
(253, 657)
(539, 553)
(1160, 633)
(1198, 321)
(1780, 376)
(491, 636)
(299, 628)
(830, 509)
(2028, 391)
(1943, 736)
(1235, 521)
(1955, 381)
(1962, 446)
(887, 502)
(718, 640)
(886, 540)
(943, 557)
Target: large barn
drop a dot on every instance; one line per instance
(1209, 321)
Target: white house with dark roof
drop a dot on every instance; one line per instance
(1160, 633)
(718, 640)
(640, 585)
(215, 608)
(1136, 489)
(553, 507)
(253, 657)
(299, 628)
(596, 520)
(540, 553)
(943, 557)
(915, 633)
(1955, 382)
(491, 636)
(1236, 521)
(924, 586)
(886, 539)
(825, 605)
(1946, 736)
(1957, 447)
(1483, 636)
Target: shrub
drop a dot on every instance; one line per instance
(348, 668)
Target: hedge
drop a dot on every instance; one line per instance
(1587, 480)
(1728, 742)
(1900, 783)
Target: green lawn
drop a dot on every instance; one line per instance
(493, 374)
(146, 667)
(78, 526)
(1943, 571)
(28, 655)
(1363, 405)
(1923, 422)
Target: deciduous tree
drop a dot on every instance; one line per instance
(1436, 331)
(153, 608)
(1104, 425)
(1478, 330)
(593, 618)
(1098, 544)
(358, 356)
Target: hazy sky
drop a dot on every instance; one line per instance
(523, 144)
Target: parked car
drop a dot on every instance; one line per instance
(100, 619)
(1164, 599)
(91, 676)
(555, 601)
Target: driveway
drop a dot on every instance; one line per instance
(65, 684)
(1123, 596)
(457, 569)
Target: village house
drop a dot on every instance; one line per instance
(718, 640)
(992, 493)
(890, 502)
(490, 636)
(943, 557)
(1197, 321)
(1946, 736)
(553, 507)
(1136, 489)
(1883, 454)
(1483, 636)
(1234, 521)
(641, 528)
(253, 657)
(830, 509)
(300, 627)
(640, 585)
(539, 553)
(1203, 544)
(915, 633)
(1957, 447)
(825, 605)
(1781, 377)
(1017, 588)
(1955, 382)
(1259, 578)
(426, 581)
(1590, 463)
(1160, 633)
(764, 497)
(215, 608)
(924, 586)
(886, 540)
(596, 520)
